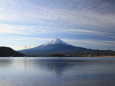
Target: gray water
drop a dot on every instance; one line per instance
(57, 71)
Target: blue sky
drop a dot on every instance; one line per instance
(83, 23)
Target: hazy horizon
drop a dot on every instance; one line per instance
(30, 23)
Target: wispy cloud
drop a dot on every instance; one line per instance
(22, 47)
(32, 30)
(41, 14)
(22, 29)
(89, 32)
(41, 17)
(93, 44)
(16, 29)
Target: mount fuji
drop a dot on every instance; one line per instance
(59, 47)
(55, 42)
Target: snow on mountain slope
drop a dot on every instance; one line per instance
(55, 42)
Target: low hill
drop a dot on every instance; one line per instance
(7, 52)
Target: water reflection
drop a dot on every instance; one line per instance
(60, 67)
(57, 71)
(56, 67)
(5, 62)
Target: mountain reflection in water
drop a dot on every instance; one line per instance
(5, 62)
(58, 71)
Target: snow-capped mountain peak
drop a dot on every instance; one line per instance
(54, 42)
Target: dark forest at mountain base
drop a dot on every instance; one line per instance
(8, 52)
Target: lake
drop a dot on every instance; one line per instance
(57, 71)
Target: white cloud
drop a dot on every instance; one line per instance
(32, 13)
(6, 28)
(22, 47)
(34, 30)
(23, 29)
(22, 11)
(54, 20)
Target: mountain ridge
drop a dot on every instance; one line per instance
(57, 46)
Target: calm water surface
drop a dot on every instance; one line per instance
(57, 71)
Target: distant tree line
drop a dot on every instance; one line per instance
(7, 52)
